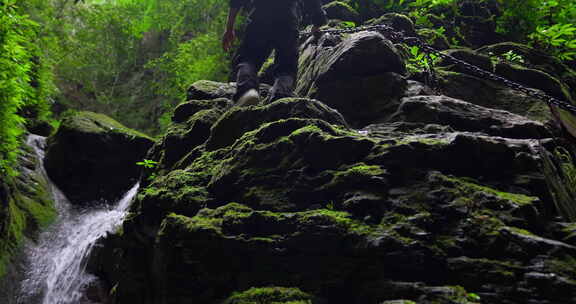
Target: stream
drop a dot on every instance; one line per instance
(54, 266)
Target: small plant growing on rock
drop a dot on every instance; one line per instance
(347, 24)
(330, 206)
(421, 60)
(149, 164)
(512, 56)
(473, 297)
(509, 57)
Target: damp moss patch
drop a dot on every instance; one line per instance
(468, 188)
(270, 295)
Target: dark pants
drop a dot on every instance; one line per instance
(259, 41)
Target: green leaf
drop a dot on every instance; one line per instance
(571, 44)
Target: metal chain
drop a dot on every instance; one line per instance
(399, 37)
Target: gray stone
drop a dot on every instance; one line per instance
(359, 76)
(464, 116)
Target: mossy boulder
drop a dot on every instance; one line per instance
(234, 123)
(343, 215)
(361, 76)
(494, 90)
(270, 295)
(434, 200)
(207, 89)
(532, 57)
(535, 79)
(93, 157)
(259, 239)
(191, 124)
(341, 11)
(398, 21)
(491, 94)
(464, 116)
(186, 110)
(419, 293)
(305, 158)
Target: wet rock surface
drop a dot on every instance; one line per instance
(444, 194)
(92, 157)
(371, 189)
(341, 11)
(26, 208)
(360, 76)
(464, 116)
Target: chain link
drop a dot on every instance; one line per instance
(399, 37)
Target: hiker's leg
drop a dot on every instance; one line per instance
(254, 50)
(246, 78)
(287, 64)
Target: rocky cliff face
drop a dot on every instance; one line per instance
(26, 206)
(370, 189)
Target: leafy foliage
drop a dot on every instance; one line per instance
(197, 59)
(25, 82)
(132, 59)
(548, 25)
(147, 163)
(420, 60)
(560, 39)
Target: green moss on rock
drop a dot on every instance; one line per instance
(356, 174)
(92, 157)
(26, 207)
(341, 11)
(236, 122)
(398, 21)
(201, 245)
(90, 122)
(226, 220)
(178, 191)
(207, 89)
(424, 140)
(270, 295)
(469, 188)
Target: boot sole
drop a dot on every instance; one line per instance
(248, 99)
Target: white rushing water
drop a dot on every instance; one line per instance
(57, 261)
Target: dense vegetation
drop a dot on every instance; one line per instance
(25, 80)
(133, 59)
(549, 25)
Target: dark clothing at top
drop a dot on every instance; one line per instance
(273, 25)
(283, 11)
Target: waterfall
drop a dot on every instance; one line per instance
(56, 263)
